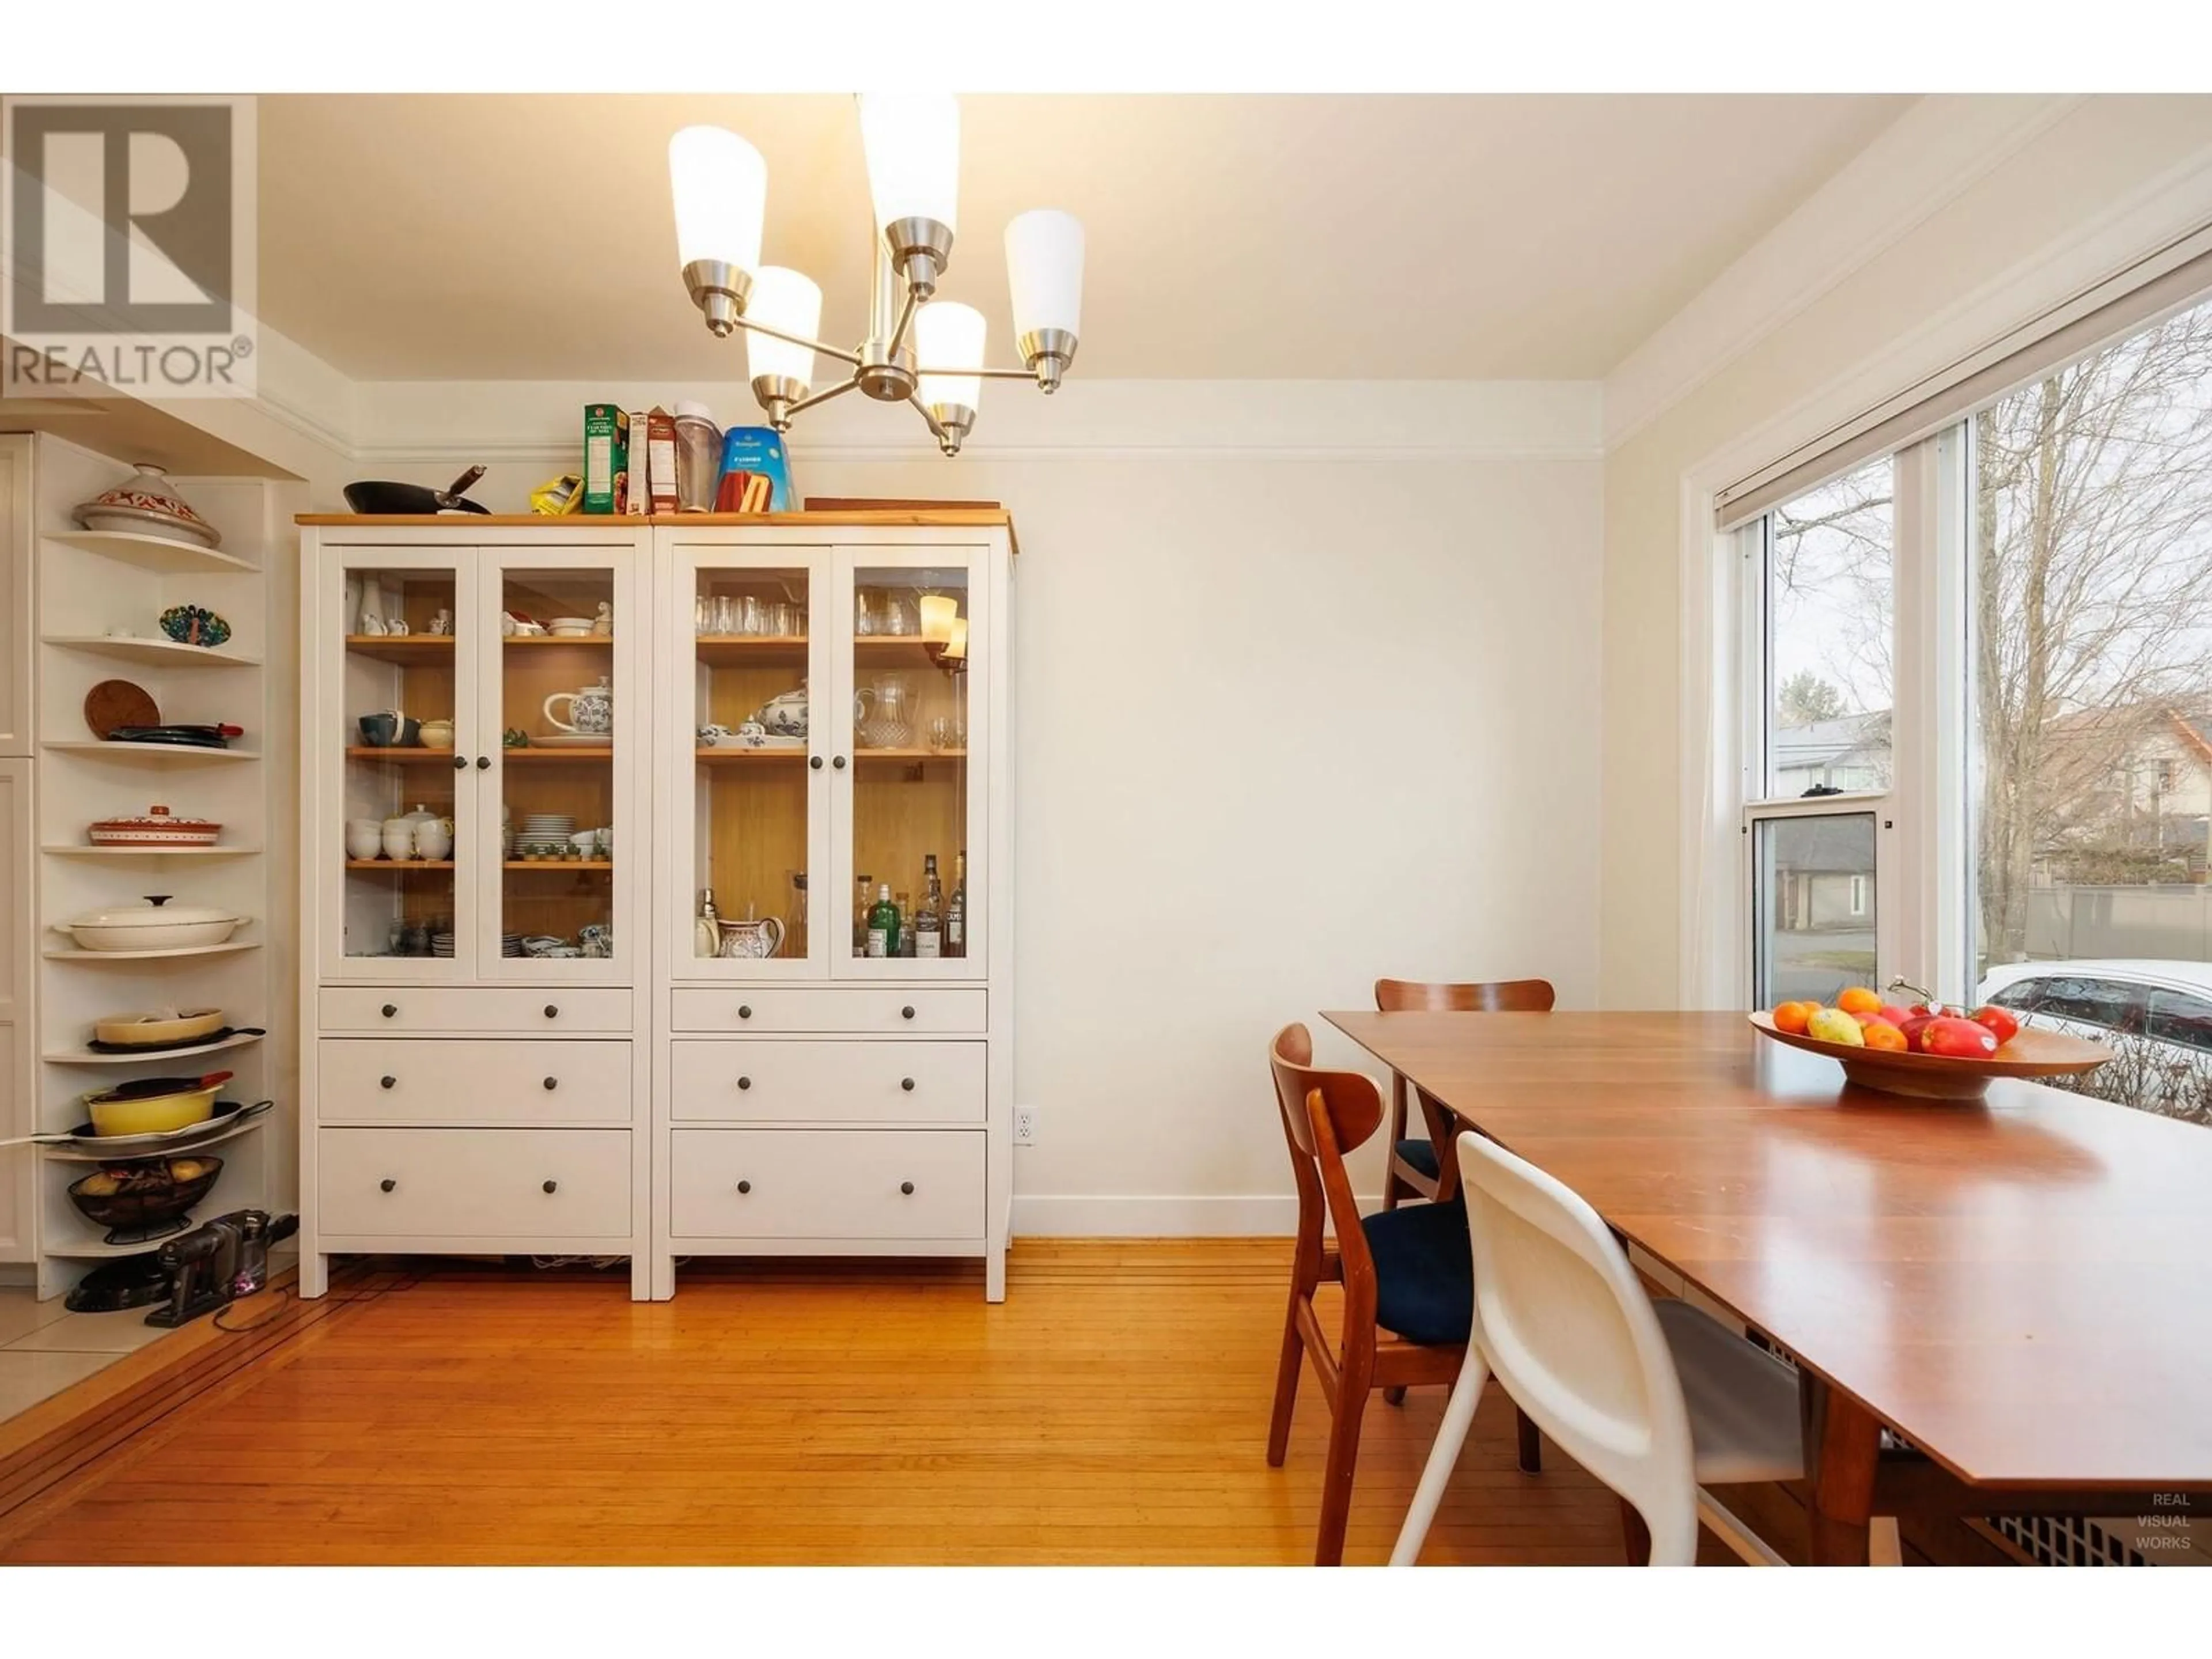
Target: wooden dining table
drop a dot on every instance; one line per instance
(2018, 1289)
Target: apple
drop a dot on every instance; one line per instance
(1999, 1021)
(1956, 1039)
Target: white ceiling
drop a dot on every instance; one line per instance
(530, 238)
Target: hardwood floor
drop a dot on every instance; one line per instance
(1112, 1409)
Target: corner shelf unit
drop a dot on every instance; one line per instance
(97, 596)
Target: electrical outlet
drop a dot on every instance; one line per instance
(1026, 1126)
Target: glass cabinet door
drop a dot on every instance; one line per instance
(748, 841)
(554, 749)
(398, 693)
(913, 649)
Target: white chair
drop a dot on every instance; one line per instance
(1654, 1399)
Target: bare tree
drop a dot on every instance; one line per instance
(2093, 590)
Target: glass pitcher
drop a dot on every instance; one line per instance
(882, 713)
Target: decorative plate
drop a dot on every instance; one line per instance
(112, 705)
(194, 624)
(2032, 1052)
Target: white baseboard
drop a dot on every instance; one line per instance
(1241, 1216)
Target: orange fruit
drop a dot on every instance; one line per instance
(1859, 1000)
(1881, 1034)
(1793, 1017)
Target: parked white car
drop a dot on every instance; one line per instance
(2155, 1015)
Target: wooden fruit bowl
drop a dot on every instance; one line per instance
(2032, 1052)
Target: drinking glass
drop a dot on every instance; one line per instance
(864, 611)
(725, 614)
(944, 732)
(751, 620)
(703, 615)
(779, 620)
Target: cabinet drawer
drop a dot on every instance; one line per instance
(474, 1184)
(894, 1009)
(826, 1082)
(426, 1008)
(459, 1080)
(826, 1184)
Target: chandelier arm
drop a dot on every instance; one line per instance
(922, 409)
(838, 352)
(905, 318)
(837, 391)
(985, 373)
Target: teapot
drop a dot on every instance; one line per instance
(784, 716)
(591, 709)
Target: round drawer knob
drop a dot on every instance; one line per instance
(744, 1011)
(744, 1185)
(387, 1081)
(907, 1186)
(386, 1185)
(744, 1083)
(552, 1011)
(552, 1185)
(552, 1083)
(907, 1084)
(816, 763)
(460, 762)
(390, 1009)
(906, 1013)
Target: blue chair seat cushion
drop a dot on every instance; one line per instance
(1424, 1279)
(1419, 1153)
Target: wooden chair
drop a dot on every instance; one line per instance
(1404, 1272)
(1412, 1166)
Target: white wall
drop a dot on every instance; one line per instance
(1968, 218)
(1352, 734)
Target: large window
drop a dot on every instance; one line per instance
(1997, 643)
(1829, 637)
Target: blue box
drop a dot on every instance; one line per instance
(757, 449)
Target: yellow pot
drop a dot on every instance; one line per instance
(152, 1115)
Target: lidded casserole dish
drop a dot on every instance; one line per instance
(156, 925)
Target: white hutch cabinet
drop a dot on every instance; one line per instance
(516, 1046)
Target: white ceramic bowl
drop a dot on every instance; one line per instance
(156, 925)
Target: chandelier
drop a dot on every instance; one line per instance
(920, 351)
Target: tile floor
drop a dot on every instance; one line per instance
(43, 1347)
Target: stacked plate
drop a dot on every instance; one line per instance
(441, 945)
(510, 945)
(545, 834)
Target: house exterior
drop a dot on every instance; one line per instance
(1850, 753)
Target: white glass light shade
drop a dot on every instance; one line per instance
(948, 335)
(913, 145)
(782, 298)
(1044, 269)
(721, 186)
(939, 612)
(955, 647)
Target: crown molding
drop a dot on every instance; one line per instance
(1926, 159)
(420, 423)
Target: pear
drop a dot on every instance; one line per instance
(1834, 1025)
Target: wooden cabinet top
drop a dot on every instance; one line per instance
(950, 517)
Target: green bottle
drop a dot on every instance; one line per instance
(883, 925)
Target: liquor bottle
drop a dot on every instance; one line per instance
(862, 899)
(955, 912)
(928, 920)
(883, 924)
(903, 903)
(707, 930)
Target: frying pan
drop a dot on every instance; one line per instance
(380, 497)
